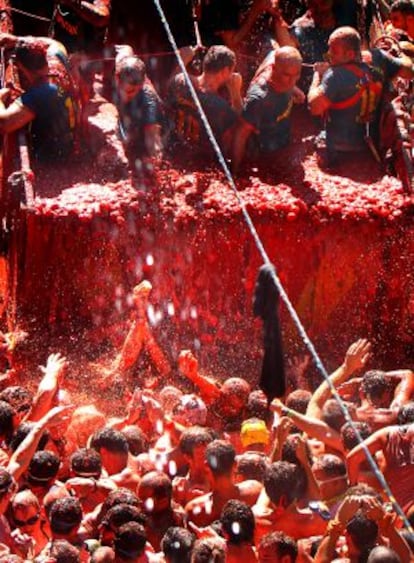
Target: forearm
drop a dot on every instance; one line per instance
(21, 458)
(327, 548)
(315, 427)
(323, 392)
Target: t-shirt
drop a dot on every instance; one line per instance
(144, 109)
(188, 125)
(269, 113)
(346, 127)
(53, 129)
(75, 33)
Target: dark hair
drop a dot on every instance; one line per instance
(86, 462)
(374, 385)
(43, 468)
(120, 514)
(177, 544)
(208, 551)
(130, 541)
(193, 437)
(238, 522)
(332, 465)
(30, 54)
(220, 457)
(64, 552)
(362, 489)
(280, 544)
(65, 515)
(332, 414)
(119, 496)
(406, 7)
(349, 36)
(131, 69)
(19, 398)
(298, 400)
(22, 431)
(6, 480)
(348, 434)
(217, 58)
(159, 482)
(406, 414)
(110, 439)
(257, 406)
(137, 441)
(252, 465)
(363, 531)
(6, 420)
(281, 480)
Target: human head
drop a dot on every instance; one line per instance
(287, 67)
(61, 551)
(280, 483)
(43, 469)
(177, 545)
(234, 394)
(193, 443)
(277, 547)
(6, 421)
(348, 434)
(169, 396)
(112, 447)
(137, 441)
(119, 496)
(361, 533)
(155, 492)
(209, 550)
(406, 414)
(218, 59)
(383, 554)
(220, 458)
(116, 517)
(250, 465)
(298, 400)
(85, 420)
(344, 46)
(400, 12)
(86, 462)
(377, 388)
(8, 487)
(65, 516)
(258, 407)
(25, 509)
(22, 431)
(190, 410)
(238, 523)
(129, 542)
(254, 434)
(330, 472)
(20, 399)
(30, 56)
(130, 77)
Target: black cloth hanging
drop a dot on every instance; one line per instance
(266, 305)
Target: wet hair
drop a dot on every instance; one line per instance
(19, 398)
(61, 551)
(65, 515)
(209, 550)
(348, 434)
(110, 439)
(22, 431)
(6, 480)
(237, 520)
(6, 421)
(252, 465)
(86, 462)
(383, 554)
(281, 482)
(43, 468)
(349, 37)
(177, 544)
(332, 414)
(131, 69)
(217, 58)
(257, 406)
(406, 414)
(332, 465)
(298, 400)
(362, 489)
(24, 499)
(30, 54)
(119, 496)
(289, 450)
(137, 441)
(220, 457)
(130, 541)
(195, 436)
(120, 514)
(374, 385)
(159, 482)
(405, 7)
(281, 544)
(363, 531)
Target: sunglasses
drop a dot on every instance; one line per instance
(28, 522)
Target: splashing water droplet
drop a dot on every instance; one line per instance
(149, 504)
(172, 467)
(149, 260)
(236, 528)
(171, 309)
(193, 312)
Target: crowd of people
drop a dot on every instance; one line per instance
(259, 58)
(206, 470)
(200, 470)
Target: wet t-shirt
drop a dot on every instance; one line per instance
(269, 113)
(363, 83)
(52, 131)
(188, 125)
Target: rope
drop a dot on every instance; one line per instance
(275, 277)
(29, 15)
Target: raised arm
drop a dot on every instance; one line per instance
(356, 357)
(356, 457)
(188, 365)
(48, 387)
